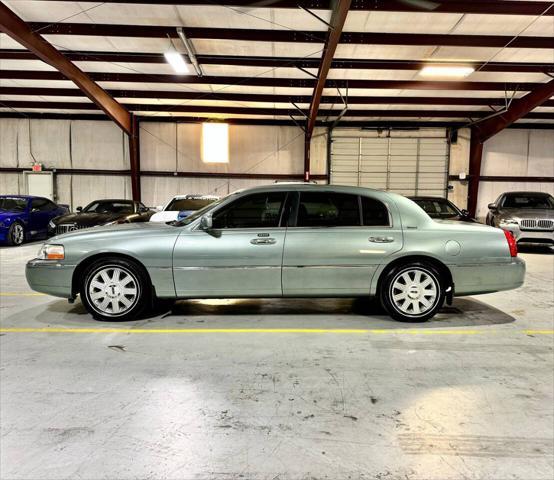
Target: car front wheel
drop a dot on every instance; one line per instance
(16, 234)
(115, 289)
(412, 293)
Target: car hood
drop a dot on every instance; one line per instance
(89, 219)
(131, 229)
(523, 213)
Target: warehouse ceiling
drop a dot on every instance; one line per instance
(258, 59)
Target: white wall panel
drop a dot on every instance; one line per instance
(98, 144)
(87, 188)
(516, 153)
(8, 142)
(158, 146)
(9, 184)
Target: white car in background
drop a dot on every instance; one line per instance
(181, 206)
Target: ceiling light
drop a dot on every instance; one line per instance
(215, 143)
(446, 71)
(176, 60)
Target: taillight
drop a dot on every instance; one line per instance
(512, 244)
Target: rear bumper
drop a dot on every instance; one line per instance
(52, 278)
(487, 278)
(530, 236)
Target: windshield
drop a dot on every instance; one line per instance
(437, 208)
(179, 204)
(13, 204)
(191, 218)
(523, 200)
(109, 207)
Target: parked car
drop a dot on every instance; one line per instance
(100, 212)
(25, 217)
(529, 216)
(442, 209)
(282, 241)
(181, 206)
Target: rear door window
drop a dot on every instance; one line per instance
(328, 209)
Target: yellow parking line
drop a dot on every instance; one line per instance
(265, 330)
(21, 294)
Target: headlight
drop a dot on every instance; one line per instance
(51, 224)
(51, 252)
(508, 221)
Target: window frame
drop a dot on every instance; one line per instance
(281, 223)
(293, 216)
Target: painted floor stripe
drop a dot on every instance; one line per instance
(269, 330)
(21, 294)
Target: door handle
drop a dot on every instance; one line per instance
(381, 239)
(263, 241)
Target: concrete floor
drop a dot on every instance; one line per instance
(468, 395)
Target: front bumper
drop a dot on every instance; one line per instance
(50, 277)
(529, 236)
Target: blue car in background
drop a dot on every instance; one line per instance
(25, 217)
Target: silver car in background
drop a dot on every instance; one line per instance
(529, 216)
(283, 240)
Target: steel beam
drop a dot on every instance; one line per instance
(482, 131)
(134, 158)
(17, 29)
(338, 17)
(518, 109)
(277, 82)
(292, 36)
(485, 7)
(285, 112)
(257, 61)
(252, 97)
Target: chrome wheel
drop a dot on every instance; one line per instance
(18, 234)
(113, 290)
(414, 292)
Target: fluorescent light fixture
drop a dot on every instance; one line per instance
(176, 60)
(446, 71)
(215, 143)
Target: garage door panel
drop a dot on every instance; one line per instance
(408, 165)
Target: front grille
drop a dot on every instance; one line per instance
(67, 227)
(534, 224)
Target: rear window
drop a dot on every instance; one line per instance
(13, 204)
(188, 204)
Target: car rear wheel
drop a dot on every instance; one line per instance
(16, 234)
(412, 293)
(115, 289)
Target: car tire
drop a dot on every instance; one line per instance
(115, 289)
(412, 292)
(16, 234)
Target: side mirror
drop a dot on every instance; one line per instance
(79, 209)
(493, 207)
(159, 208)
(465, 213)
(206, 222)
(143, 209)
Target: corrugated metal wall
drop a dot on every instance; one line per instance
(516, 153)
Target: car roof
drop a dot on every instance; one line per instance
(122, 200)
(22, 196)
(543, 194)
(194, 196)
(419, 197)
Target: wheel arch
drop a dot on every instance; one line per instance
(86, 262)
(442, 268)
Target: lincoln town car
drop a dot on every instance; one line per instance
(282, 240)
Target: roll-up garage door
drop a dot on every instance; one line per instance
(409, 165)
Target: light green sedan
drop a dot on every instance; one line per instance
(283, 240)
